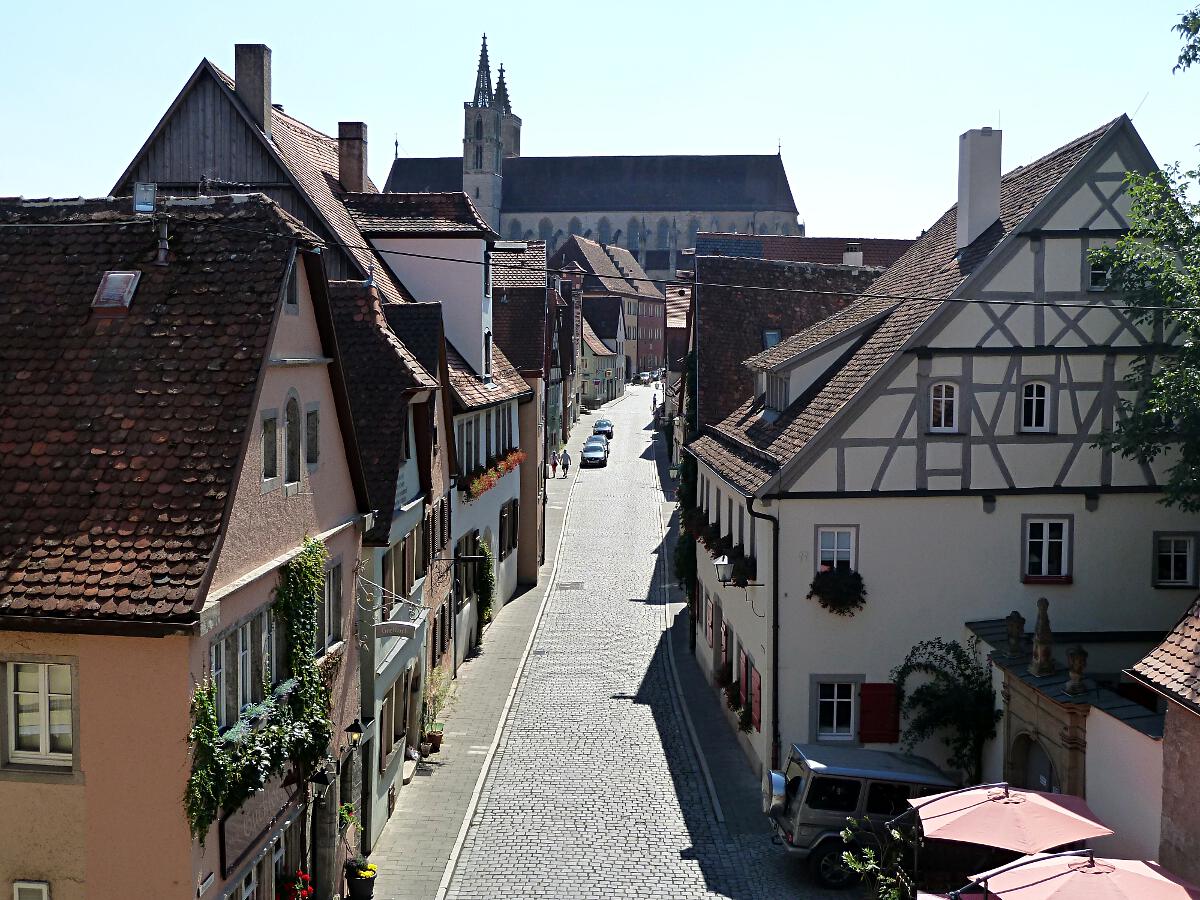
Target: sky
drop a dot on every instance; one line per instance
(866, 101)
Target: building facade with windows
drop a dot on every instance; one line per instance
(945, 450)
(206, 461)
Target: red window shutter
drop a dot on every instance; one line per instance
(879, 714)
(755, 700)
(742, 674)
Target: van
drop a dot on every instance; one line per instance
(823, 785)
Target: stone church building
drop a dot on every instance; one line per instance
(651, 205)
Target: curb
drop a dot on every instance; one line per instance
(456, 850)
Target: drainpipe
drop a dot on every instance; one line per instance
(775, 737)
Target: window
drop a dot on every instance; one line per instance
(31, 890)
(1175, 560)
(312, 436)
(1035, 406)
(835, 711)
(329, 611)
(777, 392)
(943, 412)
(834, 794)
(291, 295)
(270, 447)
(478, 163)
(487, 355)
(487, 432)
(835, 548)
(771, 337)
(291, 434)
(40, 716)
(249, 884)
(270, 656)
(1098, 278)
(886, 798)
(1047, 548)
(245, 671)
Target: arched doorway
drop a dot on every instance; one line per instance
(1030, 766)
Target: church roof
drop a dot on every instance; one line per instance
(547, 184)
(881, 252)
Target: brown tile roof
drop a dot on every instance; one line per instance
(738, 299)
(932, 268)
(1173, 667)
(593, 342)
(448, 213)
(877, 252)
(469, 389)
(602, 272)
(841, 321)
(519, 268)
(378, 378)
(519, 320)
(635, 276)
(122, 436)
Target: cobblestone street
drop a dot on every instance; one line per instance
(596, 789)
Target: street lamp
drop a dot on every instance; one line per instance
(354, 732)
(674, 471)
(320, 782)
(724, 569)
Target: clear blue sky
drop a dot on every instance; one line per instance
(867, 99)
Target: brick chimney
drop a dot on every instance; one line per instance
(252, 81)
(978, 183)
(352, 156)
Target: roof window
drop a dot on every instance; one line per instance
(115, 293)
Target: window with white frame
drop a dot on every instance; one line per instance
(835, 710)
(249, 884)
(1047, 547)
(1035, 406)
(777, 392)
(41, 727)
(835, 548)
(216, 665)
(943, 407)
(245, 667)
(31, 890)
(1175, 560)
(329, 611)
(268, 652)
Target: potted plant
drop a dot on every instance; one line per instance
(841, 591)
(434, 736)
(295, 887)
(360, 878)
(733, 697)
(437, 692)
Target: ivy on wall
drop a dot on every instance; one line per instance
(289, 728)
(487, 583)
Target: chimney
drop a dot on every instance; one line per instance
(852, 255)
(252, 81)
(978, 183)
(352, 156)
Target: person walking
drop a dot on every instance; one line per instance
(553, 463)
(566, 461)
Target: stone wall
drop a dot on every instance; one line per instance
(1179, 849)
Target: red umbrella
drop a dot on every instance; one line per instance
(1077, 875)
(996, 815)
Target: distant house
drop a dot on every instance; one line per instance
(875, 253)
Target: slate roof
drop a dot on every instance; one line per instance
(932, 268)
(122, 436)
(593, 342)
(444, 213)
(877, 252)
(520, 268)
(378, 377)
(419, 326)
(604, 183)
(604, 315)
(472, 392)
(1173, 667)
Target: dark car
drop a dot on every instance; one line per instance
(604, 427)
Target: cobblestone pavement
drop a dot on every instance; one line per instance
(595, 790)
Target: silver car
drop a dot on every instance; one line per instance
(823, 785)
(595, 451)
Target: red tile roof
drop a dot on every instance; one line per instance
(472, 392)
(448, 213)
(122, 436)
(877, 252)
(519, 267)
(593, 342)
(1173, 667)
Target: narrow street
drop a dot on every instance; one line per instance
(595, 789)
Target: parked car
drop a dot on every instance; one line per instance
(597, 440)
(823, 785)
(593, 454)
(604, 427)
(643, 378)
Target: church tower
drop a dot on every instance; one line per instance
(482, 142)
(510, 125)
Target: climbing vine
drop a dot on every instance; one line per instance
(487, 583)
(291, 726)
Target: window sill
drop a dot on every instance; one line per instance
(1174, 585)
(45, 774)
(291, 488)
(1046, 579)
(271, 484)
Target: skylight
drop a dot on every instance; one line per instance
(115, 292)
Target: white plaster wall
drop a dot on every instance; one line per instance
(483, 514)
(466, 311)
(1124, 778)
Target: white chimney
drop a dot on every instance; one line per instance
(978, 183)
(852, 255)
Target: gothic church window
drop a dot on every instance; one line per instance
(604, 230)
(664, 234)
(479, 129)
(545, 229)
(633, 235)
(478, 159)
(514, 230)
(574, 227)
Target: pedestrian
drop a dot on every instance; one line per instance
(566, 461)
(553, 463)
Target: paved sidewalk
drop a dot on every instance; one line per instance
(417, 841)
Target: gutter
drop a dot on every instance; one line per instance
(776, 744)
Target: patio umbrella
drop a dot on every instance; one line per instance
(1000, 816)
(1077, 874)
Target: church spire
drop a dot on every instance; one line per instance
(483, 79)
(502, 93)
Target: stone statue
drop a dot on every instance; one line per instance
(1042, 662)
(1016, 633)
(1076, 662)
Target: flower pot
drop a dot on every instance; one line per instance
(425, 747)
(360, 888)
(435, 740)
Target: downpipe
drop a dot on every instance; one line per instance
(776, 743)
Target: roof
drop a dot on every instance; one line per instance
(419, 326)
(857, 762)
(378, 377)
(519, 264)
(877, 252)
(1173, 667)
(635, 276)
(472, 392)
(592, 341)
(607, 267)
(547, 184)
(123, 436)
(932, 269)
(519, 319)
(604, 315)
(445, 213)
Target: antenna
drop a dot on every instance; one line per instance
(397, 145)
(1139, 106)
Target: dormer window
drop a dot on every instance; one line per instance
(943, 407)
(777, 392)
(115, 293)
(771, 337)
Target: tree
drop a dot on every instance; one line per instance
(1189, 29)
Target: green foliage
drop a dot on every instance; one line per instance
(487, 583)
(745, 717)
(347, 816)
(956, 701)
(291, 727)
(1157, 264)
(437, 693)
(1189, 31)
(841, 591)
(880, 860)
